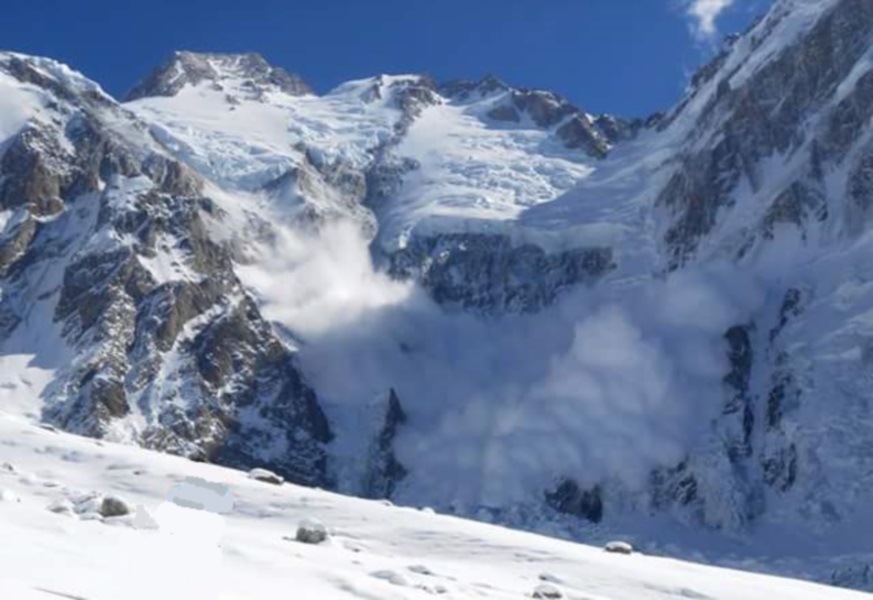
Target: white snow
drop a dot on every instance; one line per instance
(22, 382)
(246, 143)
(169, 263)
(17, 106)
(376, 551)
(474, 173)
(609, 383)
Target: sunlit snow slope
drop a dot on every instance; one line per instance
(375, 550)
(469, 295)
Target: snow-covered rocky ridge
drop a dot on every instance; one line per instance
(205, 532)
(468, 295)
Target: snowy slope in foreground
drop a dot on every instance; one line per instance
(376, 551)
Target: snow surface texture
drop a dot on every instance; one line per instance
(235, 543)
(606, 384)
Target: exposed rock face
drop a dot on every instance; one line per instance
(463, 89)
(487, 273)
(191, 68)
(188, 351)
(411, 97)
(740, 126)
(751, 445)
(740, 403)
(576, 129)
(384, 471)
(124, 247)
(571, 499)
(858, 577)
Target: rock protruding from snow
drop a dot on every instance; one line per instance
(619, 548)
(113, 506)
(547, 591)
(266, 476)
(97, 506)
(310, 531)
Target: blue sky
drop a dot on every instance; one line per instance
(628, 57)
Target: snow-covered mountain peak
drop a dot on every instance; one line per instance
(51, 76)
(658, 326)
(372, 88)
(545, 109)
(462, 89)
(248, 72)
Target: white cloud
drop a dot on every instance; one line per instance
(704, 14)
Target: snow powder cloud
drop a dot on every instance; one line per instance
(602, 385)
(704, 14)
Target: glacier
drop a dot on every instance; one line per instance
(469, 295)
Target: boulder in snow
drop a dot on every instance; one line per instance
(97, 504)
(311, 531)
(619, 548)
(547, 591)
(266, 476)
(113, 506)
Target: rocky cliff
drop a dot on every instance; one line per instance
(567, 320)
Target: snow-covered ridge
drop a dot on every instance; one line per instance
(237, 71)
(60, 74)
(468, 162)
(432, 293)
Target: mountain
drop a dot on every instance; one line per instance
(192, 69)
(470, 295)
(202, 532)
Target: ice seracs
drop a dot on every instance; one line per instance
(654, 330)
